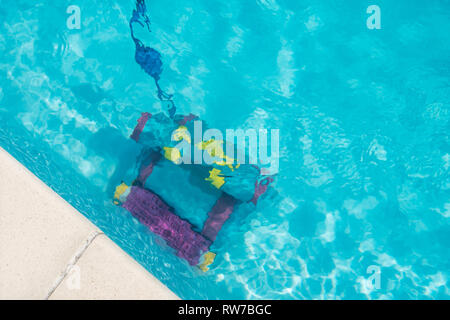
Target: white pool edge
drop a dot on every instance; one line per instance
(49, 250)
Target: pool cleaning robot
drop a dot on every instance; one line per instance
(216, 188)
(157, 194)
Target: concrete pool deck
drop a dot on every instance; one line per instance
(48, 250)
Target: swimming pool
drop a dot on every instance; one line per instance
(362, 195)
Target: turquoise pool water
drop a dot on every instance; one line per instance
(364, 119)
